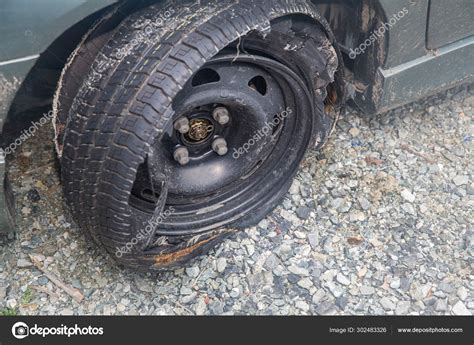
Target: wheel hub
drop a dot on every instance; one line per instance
(200, 130)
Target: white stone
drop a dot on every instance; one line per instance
(11, 303)
(461, 180)
(200, 307)
(367, 290)
(387, 304)
(402, 308)
(193, 272)
(221, 265)
(460, 309)
(298, 270)
(342, 279)
(395, 284)
(302, 305)
(357, 216)
(291, 217)
(318, 296)
(462, 293)
(408, 208)
(250, 249)
(23, 263)
(305, 283)
(408, 196)
(336, 290)
(329, 275)
(295, 187)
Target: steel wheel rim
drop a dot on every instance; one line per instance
(208, 215)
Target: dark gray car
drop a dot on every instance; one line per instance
(179, 122)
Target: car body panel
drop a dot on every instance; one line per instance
(28, 27)
(448, 67)
(12, 75)
(412, 70)
(448, 24)
(406, 39)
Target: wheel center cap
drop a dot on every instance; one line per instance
(200, 130)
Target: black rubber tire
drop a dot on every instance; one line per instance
(124, 102)
(79, 65)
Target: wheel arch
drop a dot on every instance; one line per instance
(39, 83)
(352, 21)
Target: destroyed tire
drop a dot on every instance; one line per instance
(192, 126)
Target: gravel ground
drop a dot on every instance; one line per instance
(380, 222)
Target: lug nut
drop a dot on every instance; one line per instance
(182, 125)
(220, 146)
(181, 155)
(221, 115)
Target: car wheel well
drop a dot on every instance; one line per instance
(34, 96)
